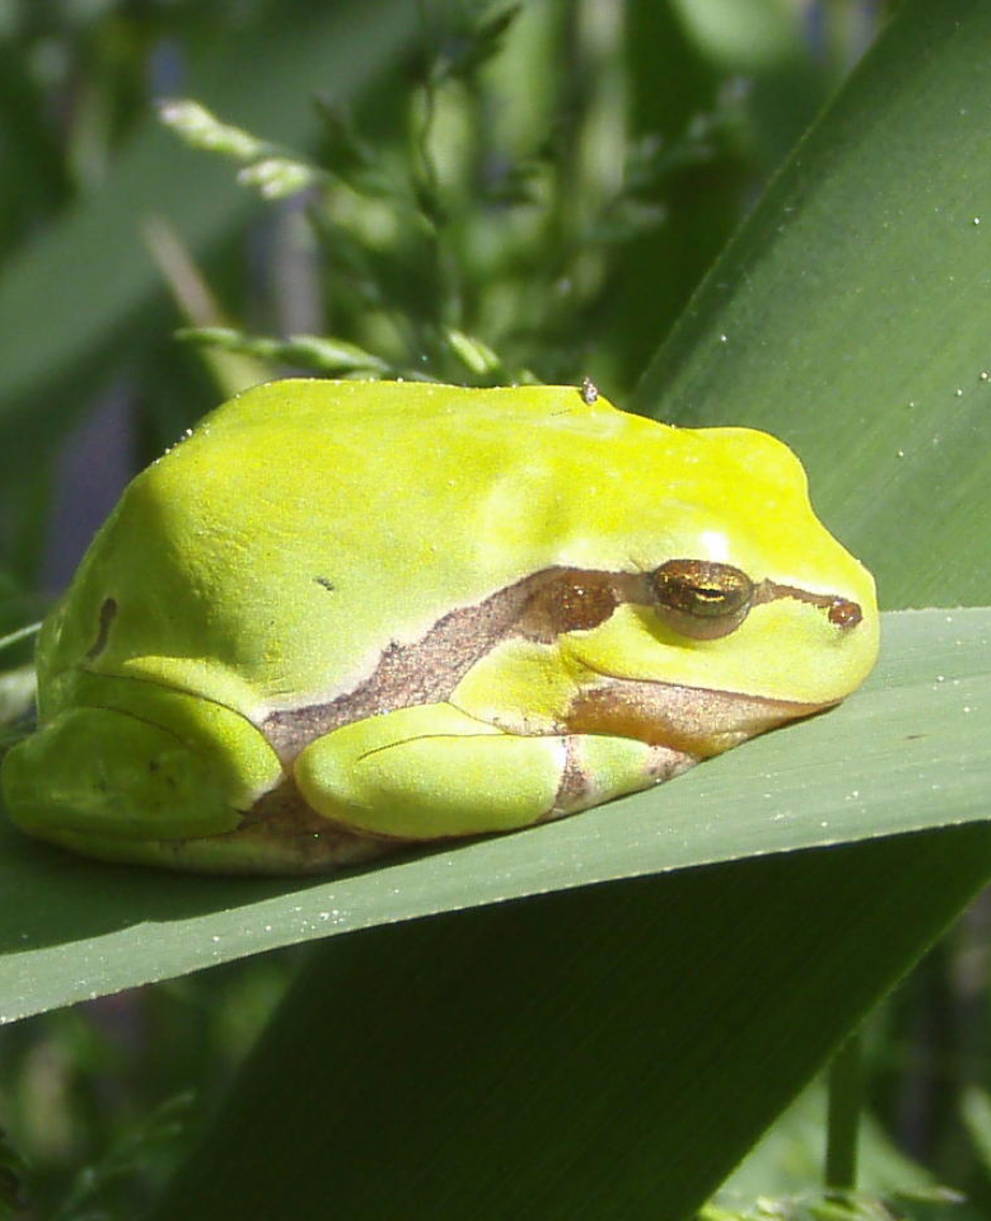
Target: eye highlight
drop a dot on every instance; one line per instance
(700, 598)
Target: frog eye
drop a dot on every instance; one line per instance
(700, 598)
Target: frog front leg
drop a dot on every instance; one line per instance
(432, 771)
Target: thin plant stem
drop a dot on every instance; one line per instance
(21, 633)
(845, 1100)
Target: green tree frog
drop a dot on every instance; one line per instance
(340, 617)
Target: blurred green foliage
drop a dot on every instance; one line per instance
(501, 192)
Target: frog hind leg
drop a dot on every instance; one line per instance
(432, 772)
(106, 781)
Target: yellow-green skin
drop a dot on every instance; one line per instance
(341, 616)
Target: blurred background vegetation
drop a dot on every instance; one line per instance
(479, 193)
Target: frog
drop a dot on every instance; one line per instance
(342, 618)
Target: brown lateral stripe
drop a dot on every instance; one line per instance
(679, 717)
(539, 607)
(841, 611)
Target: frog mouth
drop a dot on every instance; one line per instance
(698, 721)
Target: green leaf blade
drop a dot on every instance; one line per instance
(910, 751)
